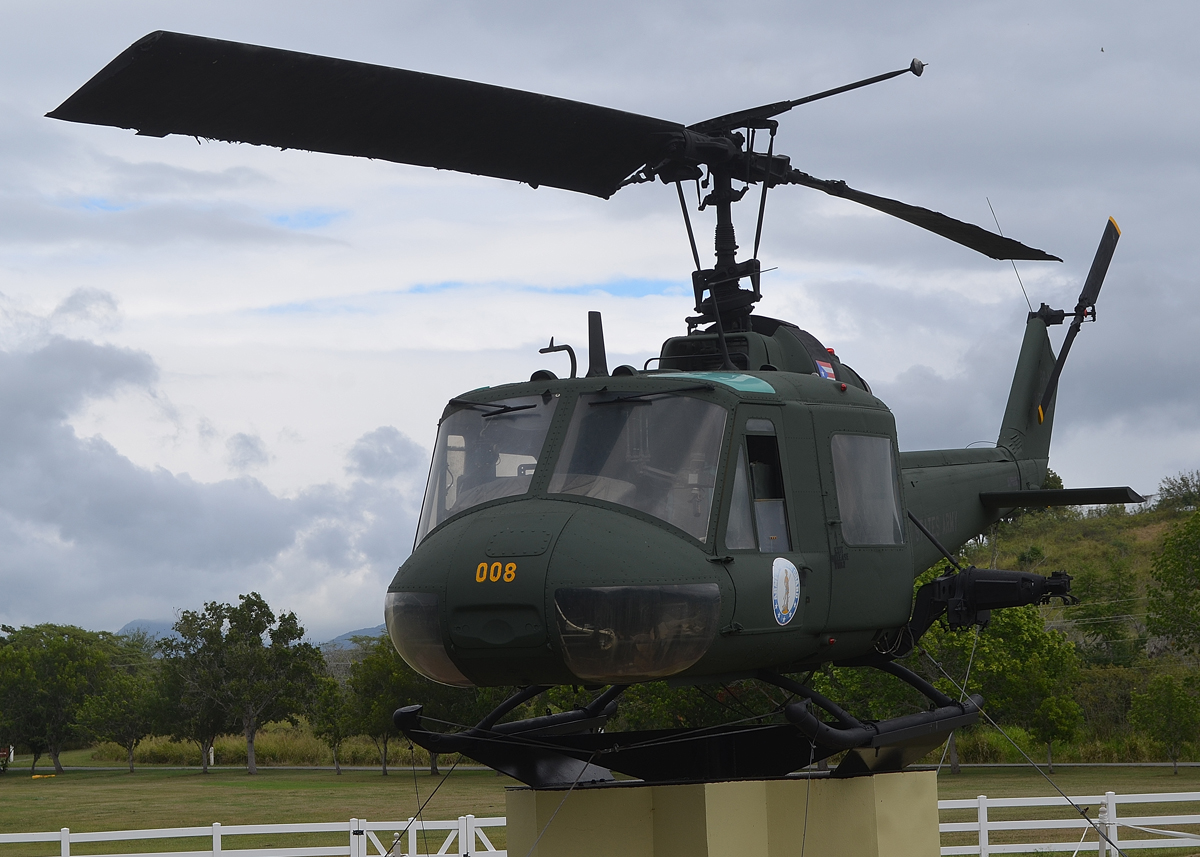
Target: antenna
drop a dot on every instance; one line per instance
(597, 361)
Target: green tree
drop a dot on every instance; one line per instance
(1015, 663)
(1102, 622)
(1168, 712)
(380, 683)
(332, 716)
(1057, 718)
(46, 673)
(1181, 491)
(254, 665)
(18, 710)
(1105, 695)
(190, 679)
(271, 673)
(124, 710)
(1174, 596)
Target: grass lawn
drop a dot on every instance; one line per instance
(1026, 782)
(86, 800)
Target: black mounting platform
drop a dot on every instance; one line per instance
(571, 748)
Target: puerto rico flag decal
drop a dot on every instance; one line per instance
(825, 370)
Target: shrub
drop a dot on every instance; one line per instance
(1180, 492)
(983, 744)
(276, 744)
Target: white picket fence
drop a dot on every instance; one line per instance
(466, 835)
(1127, 832)
(461, 837)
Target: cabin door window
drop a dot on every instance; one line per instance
(758, 509)
(868, 494)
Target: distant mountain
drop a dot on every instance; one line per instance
(344, 641)
(152, 628)
(158, 630)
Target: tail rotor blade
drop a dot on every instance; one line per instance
(1087, 301)
(1104, 254)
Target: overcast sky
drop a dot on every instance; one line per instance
(221, 366)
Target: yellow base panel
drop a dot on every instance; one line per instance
(888, 814)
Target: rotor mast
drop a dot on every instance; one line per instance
(728, 305)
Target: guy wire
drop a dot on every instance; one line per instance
(812, 754)
(1014, 264)
(1082, 812)
(1081, 838)
(421, 805)
(550, 820)
(961, 697)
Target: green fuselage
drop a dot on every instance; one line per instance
(680, 523)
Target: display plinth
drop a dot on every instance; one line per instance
(887, 814)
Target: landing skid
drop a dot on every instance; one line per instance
(568, 748)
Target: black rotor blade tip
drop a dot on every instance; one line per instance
(916, 67)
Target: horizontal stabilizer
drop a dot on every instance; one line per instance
(1060, 497)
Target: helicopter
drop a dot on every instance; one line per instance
(739, 510)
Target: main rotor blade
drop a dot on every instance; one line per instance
(966, 234)
(170, 83)
(755, 116)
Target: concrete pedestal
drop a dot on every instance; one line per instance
(887, 815)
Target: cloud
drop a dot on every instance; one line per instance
(91, 537)
(246, 452)
(89, 498)
(337, 325)
(306, 218)
(384, 454)
(73, 220)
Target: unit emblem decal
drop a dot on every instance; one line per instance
(785, 590)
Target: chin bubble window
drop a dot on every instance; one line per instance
(868, 494)
(629, 633)
(414, 624)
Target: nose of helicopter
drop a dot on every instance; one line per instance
(544, 591)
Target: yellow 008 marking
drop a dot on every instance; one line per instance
(496, 571)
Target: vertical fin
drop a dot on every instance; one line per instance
(1027, 425)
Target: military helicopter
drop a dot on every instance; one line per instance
(740, 509)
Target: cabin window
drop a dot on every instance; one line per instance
(484, 451)
(739, 531)
(766, 486)
(868, 494)
(757, 506)
(653, 452)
